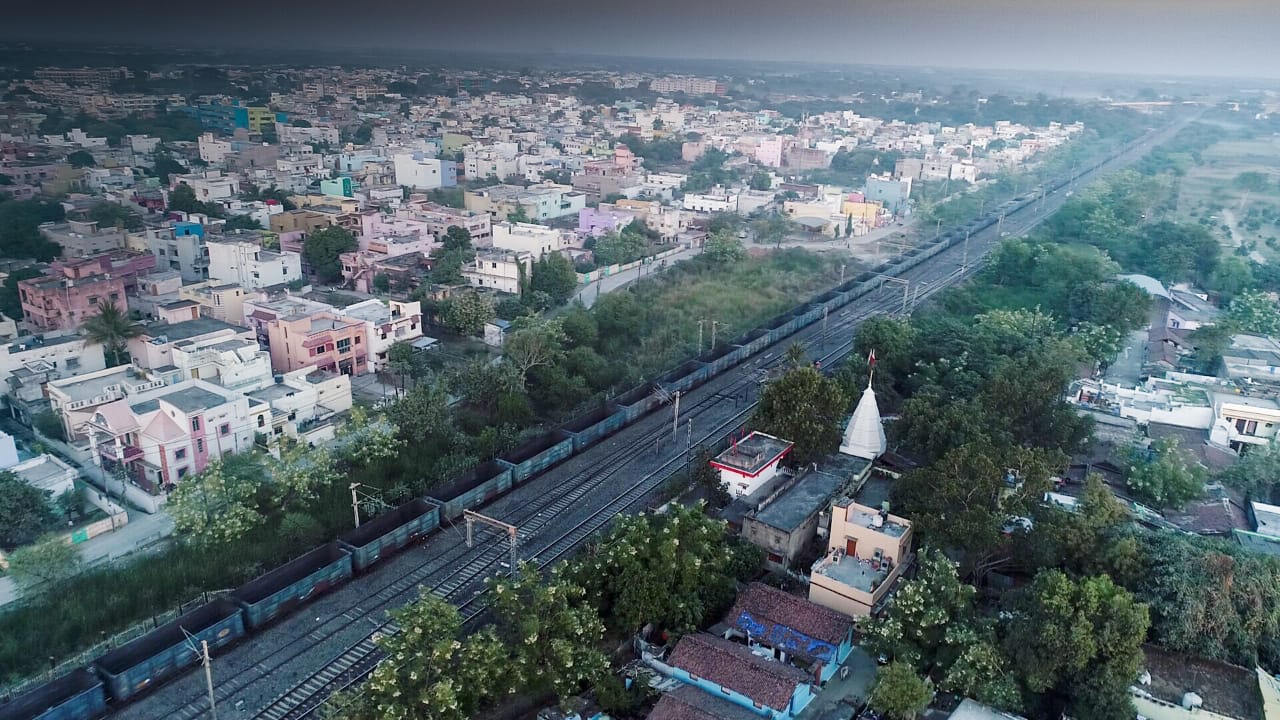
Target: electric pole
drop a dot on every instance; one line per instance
(355, 503)
(208, 677)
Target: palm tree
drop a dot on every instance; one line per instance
(112, 329)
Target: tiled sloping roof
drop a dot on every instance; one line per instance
(772, 606)
(690, 703)
(733, 666)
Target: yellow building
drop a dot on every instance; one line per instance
(867, 550)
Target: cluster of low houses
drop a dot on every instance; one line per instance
(778, 654)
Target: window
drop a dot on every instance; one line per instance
(93, 300)
(182, 472)
(357, 339)
(225, 429)
(344, 345)
(73, 363)
(195, 423)
(180, 454)
(262, 421)
(199, 445)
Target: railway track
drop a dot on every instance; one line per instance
(457, 573)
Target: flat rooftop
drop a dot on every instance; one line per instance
(86, 388)
(868, 518)
(188, 329)
(1225, 689)
(38, 341)
(810, 494)
(188, 400)
(43, 471)
(857, 573)
(752, 454)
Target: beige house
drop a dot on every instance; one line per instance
(867, 550)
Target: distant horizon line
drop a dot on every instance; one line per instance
(141, 48)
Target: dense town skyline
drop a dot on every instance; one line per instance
(1229, 38)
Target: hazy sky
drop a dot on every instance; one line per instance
(1182, 37)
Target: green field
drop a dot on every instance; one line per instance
(1210, 195)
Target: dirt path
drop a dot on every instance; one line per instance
(1237, 240)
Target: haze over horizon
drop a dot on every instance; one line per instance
(1147, 37)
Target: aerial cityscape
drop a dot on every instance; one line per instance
(567, 361)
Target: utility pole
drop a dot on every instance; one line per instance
(842, 274)
(208, 677)
(906, 288)
(675, 418)
(202, 653)
(472, 517)
(964, 263)
(700, 336)
(715, 324)
(1000, 225)
(355, 503)
(938, 231)
(825, 313)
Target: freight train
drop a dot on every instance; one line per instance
(126, 672)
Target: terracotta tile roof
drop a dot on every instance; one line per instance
(734, 667)
(690, 703)
(761, 608)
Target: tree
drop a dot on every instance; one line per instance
(1251, 181)
(183, 199)
(760, 180)
(724, 248)
(20, 235)
(423, 418)
(44, 564)
(110, 215)
(112, 329)
(25, 511)
(468, 312)
(899, 692)
(674, 570)
(805, 407)
(552, 633)
(49, 424)
(1079, 638)
(554, 275)
(81, 159)
(771, 229)
(1256, 473)
(1165, 474)
(1254, 311)
(519, 215)
(322, 250)
(538, 344)
(218, 505)
(417, 680)
(382, 283)
(962, 501)
(10, 301)
(913, 628)
(242, 222)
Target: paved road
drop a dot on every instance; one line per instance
(142, 531)
(591, 291)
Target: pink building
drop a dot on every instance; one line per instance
(324, 340)
(70, 292)
(167, 434)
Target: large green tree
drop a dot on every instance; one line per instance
(467, 313)
(553, 633)
(112, 329)
(1082, 638)
(1165, 474)
(963, 501)
(322, 250)
(805, 407)
(554, 275)
(676, 570)
(899, 692)
(25, 511)
(43, 565)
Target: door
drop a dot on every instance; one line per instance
(850, 544)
